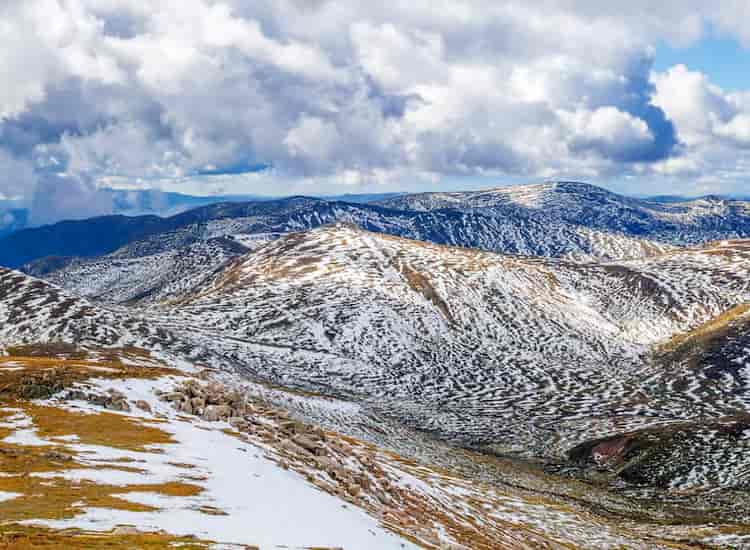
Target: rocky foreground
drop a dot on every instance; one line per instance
(115, 449)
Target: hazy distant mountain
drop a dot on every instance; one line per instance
(552, 219)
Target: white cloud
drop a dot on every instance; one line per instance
(713, 124)
(359, 91)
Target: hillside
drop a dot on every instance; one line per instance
(134, 274)
(475, 347)
(628, 375)
(551, 220)
(681, 223)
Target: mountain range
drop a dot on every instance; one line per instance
(554, 220)
(601, 338)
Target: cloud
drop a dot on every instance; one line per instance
(120, 90)
(713, 124)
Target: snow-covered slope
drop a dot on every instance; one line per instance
(137, 274)
(633, 372)
(687, 222)
(546, 220)
(523, 354)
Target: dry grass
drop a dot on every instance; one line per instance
(19, 372)
(706, 332)
(22, 537)
(54, 497)
(106, 429)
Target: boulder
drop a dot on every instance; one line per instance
(214, 413)
(143, 405)
(198, 403)
(309, 444)
(120, 405)
(239, 423)
(173, 397)
(76, 395)
(186, 407)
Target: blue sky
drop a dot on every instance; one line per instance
(722, 58)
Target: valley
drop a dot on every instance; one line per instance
(549, 363)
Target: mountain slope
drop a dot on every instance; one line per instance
(480, 348)
(549, 220)
(629, 374)
(686, 222)
(132, 275)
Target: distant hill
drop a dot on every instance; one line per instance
(554, 219)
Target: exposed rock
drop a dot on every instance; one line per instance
(125, 530)
(198, 403)
(185, 407)
(309, 444)
(120, 405)
(76, 395)
(214, 413)
(98, 400)
(239, 423)
(143, 405)
(292, 448)
(174, 397)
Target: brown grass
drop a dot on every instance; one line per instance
(707, 331)
(107, 429)
(22, 537)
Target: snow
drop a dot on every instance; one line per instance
(24, 432)
(267, 506)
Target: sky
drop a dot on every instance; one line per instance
(279, 97)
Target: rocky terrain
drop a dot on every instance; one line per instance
(111, 448)
(410, 379)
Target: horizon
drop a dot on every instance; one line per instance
(207, 200)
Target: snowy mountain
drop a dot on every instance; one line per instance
(627, 374)
(474, 346)
(140, 272)
(554, 220)
(685, 222)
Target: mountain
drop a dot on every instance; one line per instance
(476, 347)
(689, 222)
(519, 233)
(553, 220)
(129, 275)
(628, 375)
(137, 202)
(14, 217)
(483, 349)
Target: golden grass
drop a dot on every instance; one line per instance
(22, 537)
(106, 429)
(54, 497)
(20, 372)
(707, 331)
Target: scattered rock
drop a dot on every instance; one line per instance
(118, 404)
(214, 413)
(125, 530)
(76, 395)
(239, 423)
(309, 444)
(174, 397)
(143, 406)
(186, 407)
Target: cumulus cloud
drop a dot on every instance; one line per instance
(713, 124)
(340, 92)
